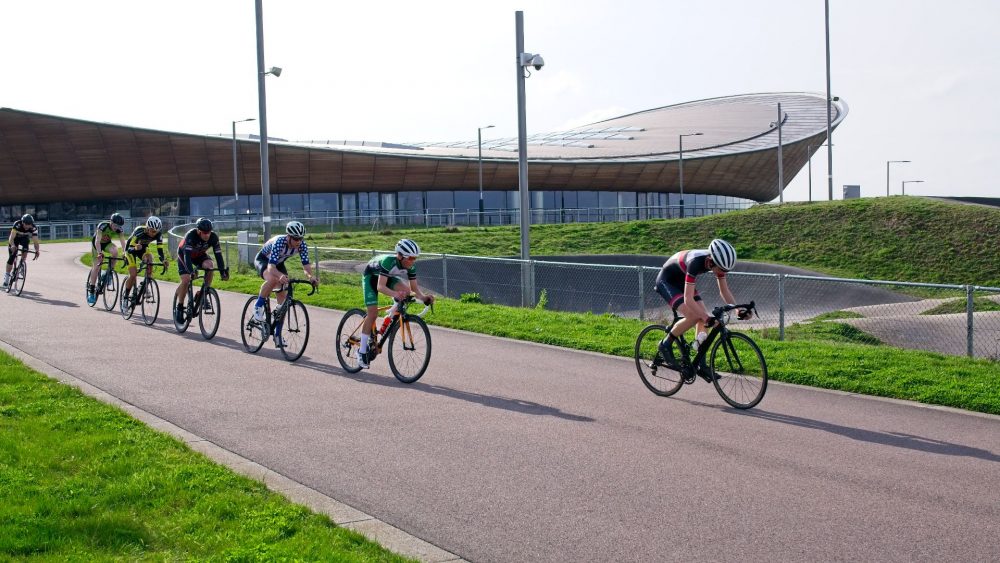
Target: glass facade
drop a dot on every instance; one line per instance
(434, 207)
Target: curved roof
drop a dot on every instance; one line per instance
(48, 158)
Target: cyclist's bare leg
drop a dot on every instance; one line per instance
(208, 265)
(182, 290)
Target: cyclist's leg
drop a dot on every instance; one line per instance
(208, 266)
(185, 276)
(97, 253)
(371, 310)
(131, 262)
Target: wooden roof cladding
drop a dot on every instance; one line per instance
(46, 158)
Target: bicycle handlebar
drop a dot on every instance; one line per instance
(719, 311)
(427, 306)
(291, 281)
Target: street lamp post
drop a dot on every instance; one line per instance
(910, 182)
(887, 163)
(680, 143)
(810, 151)
(480, 139)
(265, 172)
(829, 108)
(236, 184)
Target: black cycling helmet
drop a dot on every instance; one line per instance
(117, 219)
(204, 225)
(27, 219)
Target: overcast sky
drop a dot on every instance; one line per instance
(921, 77)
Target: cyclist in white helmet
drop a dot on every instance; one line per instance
(392, 275)
(137, 249)
(676, 284)
(270, 265)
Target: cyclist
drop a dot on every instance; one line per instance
(676, 284)
(102, 240)
(270, 265)
(192, 253)
(23, 229)
(390, 275)
(137, 249)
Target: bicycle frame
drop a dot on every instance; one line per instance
(719, 328)
(397, 316)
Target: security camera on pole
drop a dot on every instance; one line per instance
(524, 60)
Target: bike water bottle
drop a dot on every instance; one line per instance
(385, 324)
(698, 341)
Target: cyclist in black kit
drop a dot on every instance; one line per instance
(22, 231)
(676, 284)
(192, 254)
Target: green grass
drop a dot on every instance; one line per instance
(908, 239)
(979, 304)
(80, 480)
(820, 353)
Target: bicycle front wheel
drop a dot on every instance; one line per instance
(126, 306)
(739, 370)
(150, 300)
(110, 295)
(86, 291)
(409, 348)
(210, 313)
(349, 340)
(659, 374)
(294, 331)
(20, 273)
(254, 333)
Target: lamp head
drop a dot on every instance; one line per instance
(275, 70)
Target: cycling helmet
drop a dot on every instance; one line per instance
(295, 229)
(27, 219)
(407, 248)
(723, 254)
(117, 219)
(204, 225)
(153, 222)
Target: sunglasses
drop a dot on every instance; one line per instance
(204, 232)
(295, 238)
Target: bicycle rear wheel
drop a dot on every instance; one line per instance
(110, 294)
(150, 300)
(20, 273)
(409, 349)
(210, 313)
(254, 333)
(294, 331)
(349, 340)
(658, 374)
(739, 370)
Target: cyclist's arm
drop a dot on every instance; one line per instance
(415, 288)
(724, 291)
(35, 239)
(10, 239)
(304, 256)
(383, 287)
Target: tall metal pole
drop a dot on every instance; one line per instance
(236, 182)
(482, 208)
(829, 108)
(522, 140)
(781, 168)
(887, 163)
(265, 172)
(680, 142)
(810, 175)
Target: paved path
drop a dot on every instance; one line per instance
(507, 451)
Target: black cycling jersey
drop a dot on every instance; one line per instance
(23, 232)
(140, 239)
(194, 249)
(684, 267)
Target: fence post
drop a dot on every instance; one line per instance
(969, 331)
(642, 300)
(781, 306)
(444, 273)
(316, 250)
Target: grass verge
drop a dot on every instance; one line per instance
(81, 480)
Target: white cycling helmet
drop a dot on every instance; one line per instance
(295, 229)
(153, 222)
(407, 248)
(723, 254)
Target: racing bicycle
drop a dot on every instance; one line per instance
(19, 272)
(289, 323)
(730, 360)
(144, 294)
(203, 303)
(406, 335)
(107, 283)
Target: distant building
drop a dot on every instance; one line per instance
(63, 168)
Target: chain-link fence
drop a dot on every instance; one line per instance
(950, 319)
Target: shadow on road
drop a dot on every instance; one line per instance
(505, 403)
(38, 298)
(895, 439)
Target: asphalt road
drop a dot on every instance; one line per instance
(507, 451)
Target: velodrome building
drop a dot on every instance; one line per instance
(60, 168)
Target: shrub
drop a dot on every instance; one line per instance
(470, 298)
(543, 300)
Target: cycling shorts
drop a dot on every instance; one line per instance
(12, 250)
(196, 262)
(370, 285)
(104, 247)
(260, 264)
(673, 295)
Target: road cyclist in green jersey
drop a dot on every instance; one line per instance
(392, 275)
(106, 230)
(137, 248)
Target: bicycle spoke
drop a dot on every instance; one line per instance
(740, 370)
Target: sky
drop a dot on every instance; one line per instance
(919, 76)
